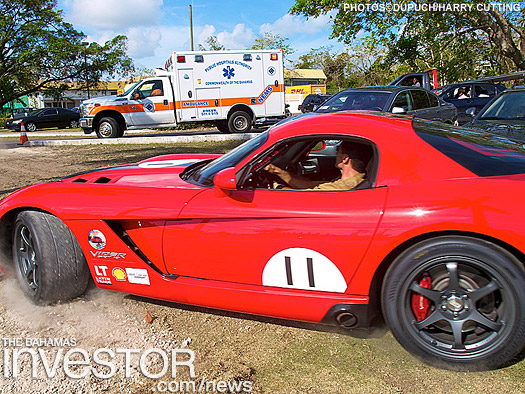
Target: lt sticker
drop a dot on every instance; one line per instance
(300, 268)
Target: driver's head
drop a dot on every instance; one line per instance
(359, 154)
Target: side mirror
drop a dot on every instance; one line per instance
(399, 110)
(471, 111)
(226, 179)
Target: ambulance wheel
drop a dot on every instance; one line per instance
(48, 261)
(240, 122)
(108, 128)
(222, 126)
(455, 302)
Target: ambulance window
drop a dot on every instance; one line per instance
(152, 88)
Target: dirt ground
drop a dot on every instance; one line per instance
(274, 357)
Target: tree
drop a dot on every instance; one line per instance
(333, 65)
(38, 50)
(213, 44)
(426, 34)
(269, 40)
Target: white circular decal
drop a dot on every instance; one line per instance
(96, 239)
(167, 163)
(300, 268)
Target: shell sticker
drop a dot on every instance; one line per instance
(119, 274)
(301, 268)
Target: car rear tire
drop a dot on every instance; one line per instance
(30, 126)
(240, 122)
(222, 126)
(73, 124)
(48, 261)
(108, 128)
(456, 303)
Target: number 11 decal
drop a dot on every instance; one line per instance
(300, 268)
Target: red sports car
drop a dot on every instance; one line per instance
(432, 241)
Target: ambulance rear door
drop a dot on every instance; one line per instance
(273, 76)
(186, 106)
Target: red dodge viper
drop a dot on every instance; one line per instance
(432, 241)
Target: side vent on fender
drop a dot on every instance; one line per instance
(123, 235)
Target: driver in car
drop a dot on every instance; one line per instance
(351, 160)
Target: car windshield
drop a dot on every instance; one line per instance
(129, 89)
(204, 175)
(355, 100)
(508, 106)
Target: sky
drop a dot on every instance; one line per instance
(155, 28)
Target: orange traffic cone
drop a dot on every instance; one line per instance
(23, 135)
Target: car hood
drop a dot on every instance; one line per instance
(511, 129)
(151, 189)
(156, 172)
(105, 99)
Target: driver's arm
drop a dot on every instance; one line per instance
(295, 181)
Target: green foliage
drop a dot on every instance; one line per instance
(460, 43)
(269, 40)
(213, 44)
(38, 49)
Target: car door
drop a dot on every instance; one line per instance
(482, 94)
(48, 118)
(421, 104)
(300, 239)
(154, 103)
(461, 97)
(438, 112)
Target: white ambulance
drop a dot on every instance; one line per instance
(231, 88)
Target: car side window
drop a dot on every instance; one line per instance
(310, 160)
(48, 112)
(402, 100)
(151, 89)
(434, 102)
(484, 91)
(420, 99)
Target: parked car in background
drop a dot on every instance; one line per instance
(44, 118)
(412, 101)
(504, 116)
(465, 95)
(312, 101)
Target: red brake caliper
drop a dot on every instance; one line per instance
(420, 304)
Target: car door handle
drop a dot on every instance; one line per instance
(165, 102)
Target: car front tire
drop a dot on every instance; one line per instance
(48, 261)
(456, 303)
(108, 128)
